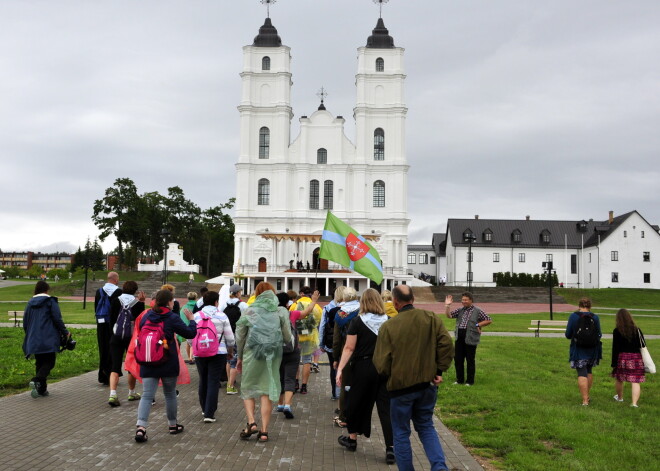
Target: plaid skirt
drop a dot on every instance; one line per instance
(630, 368)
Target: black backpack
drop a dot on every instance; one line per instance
(329, 328)
(234, 314)
(586, 333)
(293, 345)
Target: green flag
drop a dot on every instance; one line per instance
(344, 245)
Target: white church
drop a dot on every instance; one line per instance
(284, 189)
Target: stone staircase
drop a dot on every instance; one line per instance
(150, 285)
(492, 295)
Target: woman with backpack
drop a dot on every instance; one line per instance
(213, 327)
(627, 363)
(260, 333)
(586, 349)
(187, 344)
(123, 312)
(291, 355)
(326, 334)
(157, 353)
(44, 332)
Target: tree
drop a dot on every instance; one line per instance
(35, 271)
(218, 228)
(117, 213)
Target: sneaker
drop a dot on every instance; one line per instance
(288, 413)
(351, 445)
(315, 368)
(389, 455)
(468, 384)
(209, 420)
(297, 387)
(303, 389)
(153, 401)
(231, 390)
(134, 397)
(634, 405)
(280, 408)
(456, 382)
(616, 398)
(114, 401)
(177, 393)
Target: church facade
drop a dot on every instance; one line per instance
(284, 188)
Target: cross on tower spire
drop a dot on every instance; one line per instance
(268, 3)
(380, 5)
(322, 93)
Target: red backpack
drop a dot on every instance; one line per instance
(206, 342)
(151, 346)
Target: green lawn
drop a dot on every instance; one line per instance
(524, 412)
(16, 372)
(614, 297)
(648, 322)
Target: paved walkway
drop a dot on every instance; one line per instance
(74, 428)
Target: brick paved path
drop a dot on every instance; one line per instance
(74, 428)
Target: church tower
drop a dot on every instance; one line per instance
(265, 115)
(380, 117)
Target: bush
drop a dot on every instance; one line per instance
(524, 279)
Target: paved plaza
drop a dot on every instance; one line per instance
(74, 428)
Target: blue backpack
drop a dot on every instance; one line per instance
(103, 307)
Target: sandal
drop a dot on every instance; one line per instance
(141, 435)
(262, 437)
(248, 432)
(338, 422)
(174, 429)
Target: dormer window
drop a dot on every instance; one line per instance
(265, 63)
(516, 236)
(544, 237)
(582, 226)
(487, 236)
(380, 65)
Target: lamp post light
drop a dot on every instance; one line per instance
(548, 266)
(469, 237)
(165, 233)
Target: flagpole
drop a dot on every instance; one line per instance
(316, 275)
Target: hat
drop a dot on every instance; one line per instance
(235, 288)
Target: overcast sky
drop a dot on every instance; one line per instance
(547, 109)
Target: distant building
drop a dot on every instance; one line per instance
(175, 261)
(25, 260)
(620, 252)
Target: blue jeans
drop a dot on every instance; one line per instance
(418, 407)
(149, 388)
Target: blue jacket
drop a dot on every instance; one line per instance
(42, 323)
(173, 324)
(583, 353)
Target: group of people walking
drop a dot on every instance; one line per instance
(382, 352)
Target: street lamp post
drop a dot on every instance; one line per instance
(165, 233)
(469, 238)
(548, 266)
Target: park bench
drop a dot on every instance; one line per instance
(16, 316)
(540, 325)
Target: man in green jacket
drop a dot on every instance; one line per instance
(413, 350)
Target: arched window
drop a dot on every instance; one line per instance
(265, 63)
(321, 156)
(314, 194)
(264, 142)
(263, 195)
(327, 194)
(380, 64)
(379, 194)
(379, 144)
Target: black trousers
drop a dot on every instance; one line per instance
(103, 336)
(464, 353)
(45, 362)
(333, 374)
(368, 388)
(210, 370)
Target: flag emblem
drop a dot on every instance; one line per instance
(355, 247)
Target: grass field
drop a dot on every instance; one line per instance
(524, 411)
(614, 297)
(16, 371)
(649, 323)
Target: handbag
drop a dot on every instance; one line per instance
(649, 366)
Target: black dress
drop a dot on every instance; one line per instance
(367, 386)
